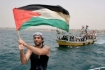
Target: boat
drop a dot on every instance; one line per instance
(75, 43)
(92, 38)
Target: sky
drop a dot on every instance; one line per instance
(82, 12)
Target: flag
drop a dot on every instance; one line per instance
(38, 14)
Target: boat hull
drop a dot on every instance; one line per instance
(72, 43)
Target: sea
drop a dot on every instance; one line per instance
(91, 57)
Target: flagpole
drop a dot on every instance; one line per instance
(18, 34)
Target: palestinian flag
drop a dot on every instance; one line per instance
(38, 14)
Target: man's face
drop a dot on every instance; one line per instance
(38, 40)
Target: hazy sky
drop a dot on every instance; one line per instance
(82, 12)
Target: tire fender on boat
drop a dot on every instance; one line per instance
(83, 44)
(88, 42)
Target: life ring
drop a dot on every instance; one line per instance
(83, 44)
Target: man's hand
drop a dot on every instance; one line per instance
(20, 41)
(21, 47)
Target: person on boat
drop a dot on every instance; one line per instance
(77, 38)
(70, 38)
(82, 36)
(86, 29)
(38, 54)
(64, 37)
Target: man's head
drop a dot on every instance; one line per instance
(38, 38)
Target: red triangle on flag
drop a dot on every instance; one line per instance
(22, 16)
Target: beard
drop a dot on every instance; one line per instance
(38, 44)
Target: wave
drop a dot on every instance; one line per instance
(100, 68)
(100, 42)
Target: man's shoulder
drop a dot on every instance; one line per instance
(47, 47)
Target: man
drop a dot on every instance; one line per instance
(86, 29)
(38, 54)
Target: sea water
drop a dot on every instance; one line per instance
(61, 58)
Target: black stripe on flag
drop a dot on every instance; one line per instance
(33, 7)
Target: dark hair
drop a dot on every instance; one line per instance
(41, 38)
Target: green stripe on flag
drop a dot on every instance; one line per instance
(36, 21)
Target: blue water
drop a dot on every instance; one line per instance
(61, 58)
